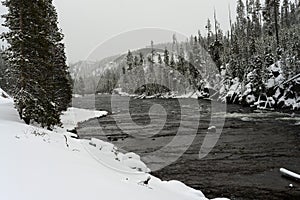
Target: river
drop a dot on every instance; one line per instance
(243, 165)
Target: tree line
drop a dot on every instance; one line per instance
(262, 35)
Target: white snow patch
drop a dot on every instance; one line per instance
(73, 116)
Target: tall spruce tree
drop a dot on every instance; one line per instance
(285, 23)
(129, 60)
(36, 57)
(271, 17)
(256, 19)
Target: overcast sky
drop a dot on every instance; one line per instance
(88, 23)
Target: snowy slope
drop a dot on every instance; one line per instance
(38, 164)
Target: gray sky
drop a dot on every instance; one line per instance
(88, 23)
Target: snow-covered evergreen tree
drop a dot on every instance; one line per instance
(129, 60)
(37, 61)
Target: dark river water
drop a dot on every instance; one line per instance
(244, 164)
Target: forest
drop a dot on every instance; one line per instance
(254, 63)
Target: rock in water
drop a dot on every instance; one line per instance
(212, 129)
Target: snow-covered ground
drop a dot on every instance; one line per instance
(40, 164)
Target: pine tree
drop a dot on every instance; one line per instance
(181, 61)
(208, 27)
(240, 48)
(285, 22)
(159, 59)
(151, 77)
(271, 18)
(172, 62)
(166, 57)
(129, 60)
(141, 59)
(140, 75)
(37, 61)
(171, 73)
(293, 17)
(267, 15)
(256, 19)
(136, 61)
(276, 4)
(165, 70)
(241, 18)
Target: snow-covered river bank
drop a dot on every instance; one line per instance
(40, 164)
(245, 162)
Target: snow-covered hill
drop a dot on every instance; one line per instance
(39, 164)
(88, 68)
